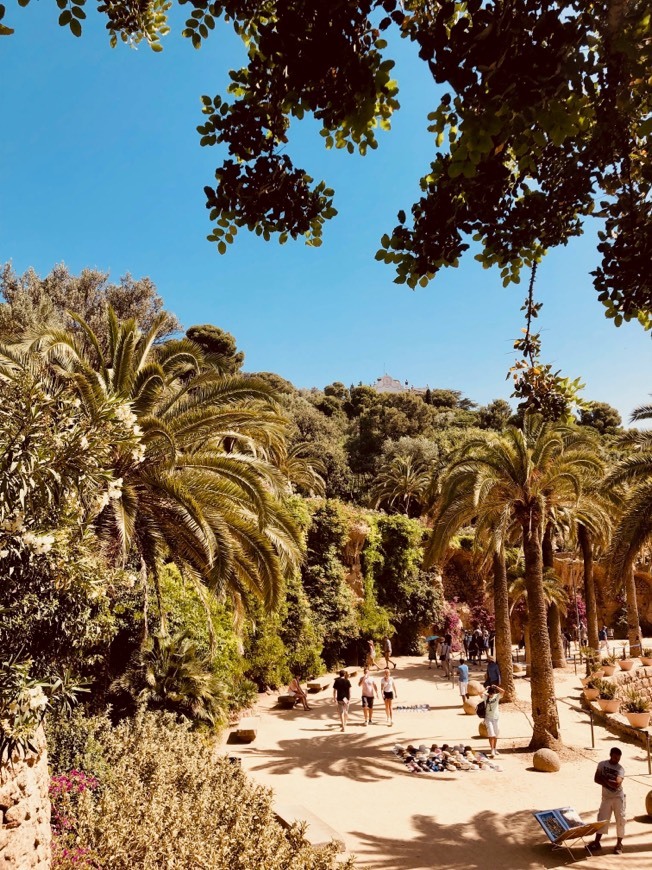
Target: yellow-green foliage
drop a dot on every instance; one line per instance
(167, 799)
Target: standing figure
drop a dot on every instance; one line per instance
(369, 689)
(493, 676)
(492, 700)
(295, 689)
(610, 775)
(568, 639)
(492, 641)
(387, 651)
(463, 679)
(485, 644)
(466, 642)
(603, 639)
(342, 694)
(388, 688)
(445, 656)
(432, 652)
(371, 655)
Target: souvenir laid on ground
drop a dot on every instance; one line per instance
(413, 708)
(442, 758)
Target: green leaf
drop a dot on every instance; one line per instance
(75, 27)
(65, 18)
(222, 247)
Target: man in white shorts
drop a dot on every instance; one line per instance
(463, 679)
(610, 775)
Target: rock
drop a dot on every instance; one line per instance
(475, 688)
(648, 803)
(546, 760)
(482, 729)
(470, 705)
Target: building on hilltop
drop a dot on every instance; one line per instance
(388, 384)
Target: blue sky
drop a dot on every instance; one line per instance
(101, 167)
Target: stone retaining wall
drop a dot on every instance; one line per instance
(25, 811)
(639, 678)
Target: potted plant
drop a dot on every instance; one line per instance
(636, 708)
(646, 657)
(607, 700)
(625, 663)
(609, 664)
(591, 690)
(592, 658)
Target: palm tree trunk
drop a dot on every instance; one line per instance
(556, 643)
(545, 716)
(633, 622)
(586, 546)
(503, 628)
(554, 619)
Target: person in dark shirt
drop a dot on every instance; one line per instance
(492, 677)
(342, 694)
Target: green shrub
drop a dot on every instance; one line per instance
(167, 800)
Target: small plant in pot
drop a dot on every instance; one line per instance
(625, 663)
(607, 700)
(636, 707)
(592, 658)
(646, 657)
(609, 664)
(591, 688)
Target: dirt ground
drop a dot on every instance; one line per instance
(391, 819)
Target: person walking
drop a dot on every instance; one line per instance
(492, 700)
(388, 688)
(342, 694)
(463, 679)
(493, 676)
(371, 655)
(445, 656)
(369, 689)
(610, 775)
(603, 639)
(432, 652)
(387, 652)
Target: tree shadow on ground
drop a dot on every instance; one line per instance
(361, 756)
(510, 842)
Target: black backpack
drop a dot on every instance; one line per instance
(481, 709)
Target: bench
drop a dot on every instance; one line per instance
(317, 832)
(288, 701)
(318, 685)
(247, 728)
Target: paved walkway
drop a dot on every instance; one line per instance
(393, 820)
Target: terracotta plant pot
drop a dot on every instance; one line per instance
(638, 720)
(646, 662)
(609, 670)
(626, 664)
(591, 694)
(609, 705)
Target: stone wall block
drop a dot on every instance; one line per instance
(24, 802)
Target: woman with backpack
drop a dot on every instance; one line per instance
(491, 701)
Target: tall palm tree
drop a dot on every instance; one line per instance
(458, 507)
(199, 489)
(634, 529)
(525, 473)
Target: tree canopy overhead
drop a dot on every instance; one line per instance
(540, 119)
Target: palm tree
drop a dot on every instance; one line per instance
(525, 474)
(634, 529)
(169, 674)
(401, 485)
(199, 488)
(458, 506)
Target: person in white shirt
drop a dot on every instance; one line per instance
(388, 688)
(610, 775)
(369, 689)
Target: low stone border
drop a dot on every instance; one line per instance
(616, 722)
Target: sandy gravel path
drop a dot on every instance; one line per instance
(393, 820)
